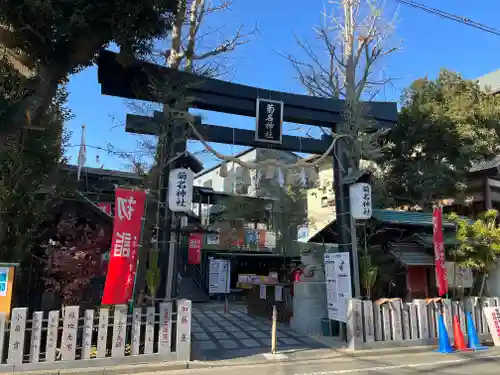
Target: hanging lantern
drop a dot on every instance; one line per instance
(223, 170)
(360, 200)
(233, 178)
(258, 177)
(246, 177)
(270, 173)
(303, 177)
(281, 177)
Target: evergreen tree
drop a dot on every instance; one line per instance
(445, 126)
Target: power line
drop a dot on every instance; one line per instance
(454, 17)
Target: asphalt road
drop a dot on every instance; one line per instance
(479, 363)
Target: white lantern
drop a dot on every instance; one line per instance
(180, 190)
(360, 200)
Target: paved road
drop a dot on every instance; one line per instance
(485, 363)
(219, 335)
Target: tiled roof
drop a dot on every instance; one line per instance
(427, 240)
(484, 165)
(411, 254)
(407, 218)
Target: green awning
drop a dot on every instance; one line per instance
(421, 219)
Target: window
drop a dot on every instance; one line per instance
(207, 184)
(324, 201)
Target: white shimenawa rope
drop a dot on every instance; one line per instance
(301, 163)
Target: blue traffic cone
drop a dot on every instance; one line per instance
(444, 340)
(474, 343)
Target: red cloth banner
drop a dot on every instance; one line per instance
(195, 242)
(106, 207)
(129, 210)
(439, 254)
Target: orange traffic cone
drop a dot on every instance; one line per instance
(458, 335)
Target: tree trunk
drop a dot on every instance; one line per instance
(483, 283)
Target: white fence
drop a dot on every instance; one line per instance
(390, 322)
(76, 338)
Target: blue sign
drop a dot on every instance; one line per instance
(251, 237)
(4, 278)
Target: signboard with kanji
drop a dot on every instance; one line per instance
(360, 200)
(269, 124)
(493, 318)
(180, 190)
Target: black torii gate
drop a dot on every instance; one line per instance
(134, 81)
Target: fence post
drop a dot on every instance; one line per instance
(354, 324)
(183, 344)
(119, 331)
(150, 330)
(136, 330)
(52, 335)
(165, 334)
(422, 319)
(36, 335)
(16, 335)
(70, 330)
(102, 333)
(273, 330)
(88, 327)
(368, 321)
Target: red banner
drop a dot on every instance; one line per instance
(195, 242)
(439, 254)
(106, 207)
(129, 210)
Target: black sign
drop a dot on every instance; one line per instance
(269, 128)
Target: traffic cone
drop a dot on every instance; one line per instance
(474, 343)
(458, 335)
(444, 339)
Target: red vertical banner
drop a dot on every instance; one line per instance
(439, 253)
(195, 242)
(129, 210)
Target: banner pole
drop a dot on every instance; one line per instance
(143, 224)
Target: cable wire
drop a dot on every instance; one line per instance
(453, 17)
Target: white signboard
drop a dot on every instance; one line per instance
(270, 241)
(360, 200)
(180, 190)
(338, 285)
(460, 277)
(302, 233)
(212, 239)
(219, 276)
(493, 318)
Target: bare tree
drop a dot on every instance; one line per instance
(193, 48)
(354, 35)
(189, 51)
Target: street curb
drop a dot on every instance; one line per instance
(346, 356)
(110, 370)
(343, 355)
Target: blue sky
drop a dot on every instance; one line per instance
(429, 43)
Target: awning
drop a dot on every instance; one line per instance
(411, 254)
(428, 241)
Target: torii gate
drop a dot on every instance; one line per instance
(134, 82)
